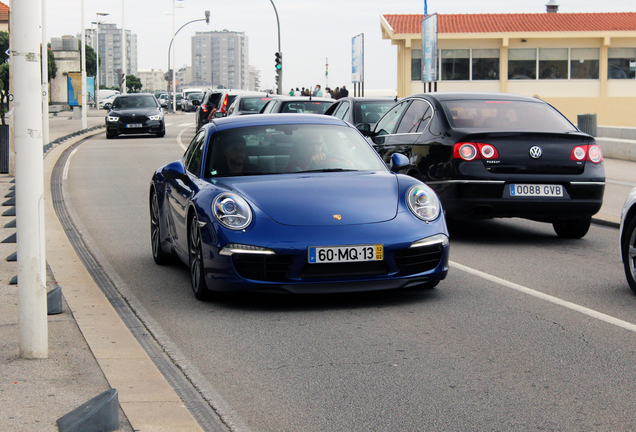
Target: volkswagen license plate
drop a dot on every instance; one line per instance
(134, 125)
(336, 254)
(529, 190)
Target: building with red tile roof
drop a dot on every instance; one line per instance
(4, 17)
(579, 62)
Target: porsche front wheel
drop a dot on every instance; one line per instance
(197, 277)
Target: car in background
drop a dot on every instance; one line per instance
(250, 207)
(163, 100)
(107, 101)
(207, 107)
(188, 105)
(248, 103)
(360, 110)
(497, 155)
(178, 100)
(628, 239)
(297, 105)
(135, 113)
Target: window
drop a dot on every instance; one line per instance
(522, 63)
(553, 63)
(416, 65)
(456, 64)
(342, 110)
(485, 64)
(416, 117)
(584, 63)
(621, 63)
(386, 125)
(194, 154)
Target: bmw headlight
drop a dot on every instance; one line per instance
(423, 203)
(155, 117)
(232, 211)
(112, 119)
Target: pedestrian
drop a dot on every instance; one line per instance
(344, 92)
(327, 92)
(297, 92)
(291, 92)
(336, 93)
(317, 91)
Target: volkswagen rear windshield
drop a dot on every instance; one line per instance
(519, 116)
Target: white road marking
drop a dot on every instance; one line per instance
(555, 300)
(184, 147)
(67, 164)
(620, 182)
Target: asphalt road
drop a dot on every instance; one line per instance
(528, 332)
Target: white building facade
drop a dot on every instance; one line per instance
(110, 52)
(221, 58)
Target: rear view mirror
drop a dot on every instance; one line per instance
(364, 128)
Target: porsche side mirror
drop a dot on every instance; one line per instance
(175, 171)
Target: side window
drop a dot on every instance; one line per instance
(268, 107)
(194, 154)
(342, 110)
(386, 125)
(415, 118)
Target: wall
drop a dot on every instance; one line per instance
(66, 61)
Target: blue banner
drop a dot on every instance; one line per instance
(429, 49)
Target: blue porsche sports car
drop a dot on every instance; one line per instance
(294, 203)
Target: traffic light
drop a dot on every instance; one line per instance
(207, 17)
(279, 71)
(279, 61)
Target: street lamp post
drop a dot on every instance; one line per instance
(207, 21)
(280, 72)
(97, 22)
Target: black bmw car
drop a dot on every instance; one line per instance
(497, 155)
(137, 113)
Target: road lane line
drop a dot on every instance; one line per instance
(179, 139)
(555, 300)
(67, 164)
(620, 182)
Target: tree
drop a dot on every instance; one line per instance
(91, 59)
(133, 84)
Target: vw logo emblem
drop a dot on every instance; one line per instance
(535, 152)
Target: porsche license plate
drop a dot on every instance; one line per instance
(533, 190)
(336, 254)
(134, 125)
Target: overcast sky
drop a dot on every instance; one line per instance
(312, 31)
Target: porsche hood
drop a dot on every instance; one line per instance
(317, 199)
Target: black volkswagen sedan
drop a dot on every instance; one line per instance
(497, 155)
(137, 113)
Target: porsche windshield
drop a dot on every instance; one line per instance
(506, 116)
(293, 148)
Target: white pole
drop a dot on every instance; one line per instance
(26, 36)
(84, 86)
(45, 127)
(123, 48)
(97, 59)
(45, 79)
(174, 93)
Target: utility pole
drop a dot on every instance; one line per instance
(124, 50)
(26, 36)
(45, 79)
(83, 66)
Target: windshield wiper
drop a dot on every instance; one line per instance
(329, 170)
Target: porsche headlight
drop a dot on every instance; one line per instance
(232, 211)
(155, 117)
(423, 203)
(112, 119)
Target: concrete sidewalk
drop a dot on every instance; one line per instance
(90, 349)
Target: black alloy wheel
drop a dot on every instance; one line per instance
(628, 247)
(197, 277)
(573, 228)
(158, 253)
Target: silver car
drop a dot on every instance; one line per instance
(628, 238)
